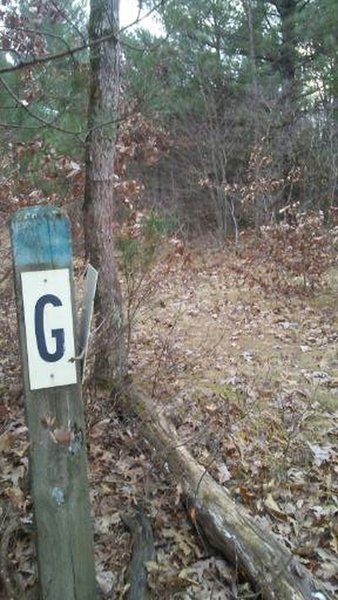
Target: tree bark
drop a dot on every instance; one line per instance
(260, 556)
(99, 188)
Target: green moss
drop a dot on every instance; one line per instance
(229, 392)
(139, 408)
(328, 400)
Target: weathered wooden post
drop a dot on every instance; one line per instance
(42, 256)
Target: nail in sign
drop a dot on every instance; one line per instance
(48, 315)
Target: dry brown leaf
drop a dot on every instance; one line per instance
(272, 507)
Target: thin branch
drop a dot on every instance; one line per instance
(36, 32)
(15, 126)
(39, 60)
(81, 135)
(33, 115)
(69, 21)
(150, 48)
(138, 19)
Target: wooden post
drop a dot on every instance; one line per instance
(42, 257)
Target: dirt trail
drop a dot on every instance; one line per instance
(250, 379)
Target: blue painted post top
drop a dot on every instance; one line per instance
(41, 236)
(41, 245)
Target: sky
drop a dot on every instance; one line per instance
(129, 12)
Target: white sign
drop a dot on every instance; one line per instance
(87, 312)
(48, 316)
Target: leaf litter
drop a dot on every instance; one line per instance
(249, 380)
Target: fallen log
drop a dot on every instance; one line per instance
(260, 556)
(143, 550)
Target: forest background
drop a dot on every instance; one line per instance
(225, 171)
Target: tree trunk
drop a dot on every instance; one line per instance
(99, 188)
(287, 66)
(260, 556)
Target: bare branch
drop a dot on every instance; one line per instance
(33, 115)
(15, 126)
(36, 32)
(78, 31)
(138, 19)
(39, 60)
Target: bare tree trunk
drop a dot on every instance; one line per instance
(249, 16)
(98, 202)
(266, 562)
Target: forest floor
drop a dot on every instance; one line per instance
(248, 373)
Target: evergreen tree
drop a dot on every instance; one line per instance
(247, 83)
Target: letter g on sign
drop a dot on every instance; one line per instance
(58, 334)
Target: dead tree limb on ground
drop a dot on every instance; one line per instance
(261, 557)
(142, 552)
